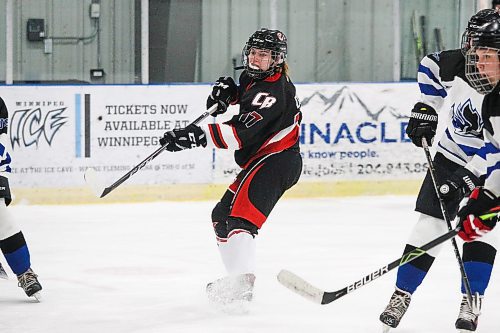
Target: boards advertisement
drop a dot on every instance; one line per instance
(349, 132)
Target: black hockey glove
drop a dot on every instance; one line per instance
(224, 92)
(189, 137)
(478, 214)
(5, 190)
(460, 184)
(422, 124)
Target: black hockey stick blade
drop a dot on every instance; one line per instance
(300, 286)
(101, 191)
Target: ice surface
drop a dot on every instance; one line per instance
(144, 267)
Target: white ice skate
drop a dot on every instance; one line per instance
(395, 310)
(468, 317)
(232, 294)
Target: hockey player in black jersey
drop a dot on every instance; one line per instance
(459, 168)
(264, 135)
(12, 242)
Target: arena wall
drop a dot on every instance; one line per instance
(353, 142)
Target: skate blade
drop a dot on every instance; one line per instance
(37, 296)
(3, 273)
(385, 328)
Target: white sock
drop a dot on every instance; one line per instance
(238, 253)
(7, 225)
(426, 229)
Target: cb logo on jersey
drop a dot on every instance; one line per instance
(263, 100)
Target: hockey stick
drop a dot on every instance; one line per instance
(446, 217)
(439, 39)
(316, 295)
(97, 185)
(423, 33)
(417, 39)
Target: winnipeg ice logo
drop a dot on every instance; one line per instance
(28, 127)
(467, 119)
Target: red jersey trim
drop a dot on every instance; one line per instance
(243, 207)
(268, 148)
(273, 78)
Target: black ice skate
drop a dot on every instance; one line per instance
(29, 282)
(236, 289)
(467, 318)
(395, 310)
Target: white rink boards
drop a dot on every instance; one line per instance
(352, 139)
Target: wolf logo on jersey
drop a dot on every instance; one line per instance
(467, 119)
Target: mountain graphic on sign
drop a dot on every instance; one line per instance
(344, 98)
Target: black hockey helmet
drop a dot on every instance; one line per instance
(475, 22)
(265, 39)
(484, 73)
(488, 35)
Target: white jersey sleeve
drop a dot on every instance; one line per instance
(433, 90)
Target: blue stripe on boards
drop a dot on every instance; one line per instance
(78, 125)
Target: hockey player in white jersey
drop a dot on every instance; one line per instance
(458, 167)
(12, 242)
(483, 72)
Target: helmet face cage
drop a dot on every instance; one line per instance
(465, 45)
(483, 73)
(264, 39)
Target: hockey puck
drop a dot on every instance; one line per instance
(99, 118)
